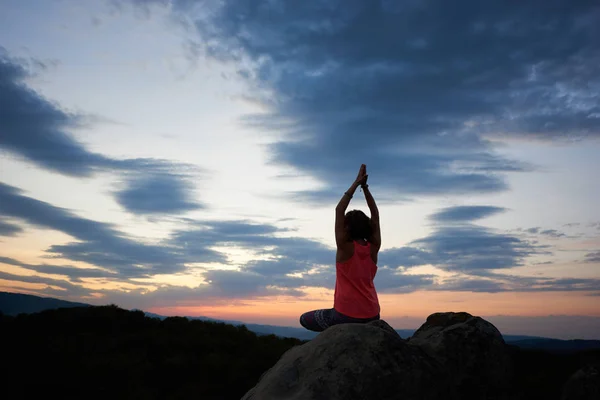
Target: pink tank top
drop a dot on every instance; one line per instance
(355, 294)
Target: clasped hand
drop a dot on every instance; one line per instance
(361, 178)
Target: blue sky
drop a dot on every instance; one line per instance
(185, 157)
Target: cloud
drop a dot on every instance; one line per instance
(244, 284)
(473, 254)
(462, 249)
(53, 286)
(552, 233)
(73, 273)
(415, 90)
(296, 263)
(418, 174)
(259, 238)
(594, 225)
(593, 257)
(157, 193)
(468, 251)
(406, 257)
(293, 264)
(36, 128)
(221, 292)
(567, 284)
(472, 285)
(389, 280)
(465, 213)
(239, 285)
(493, 282)
(284, 256)
(98, 243)
(9, 229)
(121, 257)
(40, 131)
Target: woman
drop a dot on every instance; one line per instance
(358, 240)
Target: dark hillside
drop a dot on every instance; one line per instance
(107, 352)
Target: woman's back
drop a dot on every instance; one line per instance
(355, 294)
(345, 252)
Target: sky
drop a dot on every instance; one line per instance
(185, 157)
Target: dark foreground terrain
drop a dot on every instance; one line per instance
(110, 353)
(107, 352)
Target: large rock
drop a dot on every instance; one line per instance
(471, 349)
(451, 356)
(351, 361)
(583, 384)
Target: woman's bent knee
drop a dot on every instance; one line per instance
(303, 320)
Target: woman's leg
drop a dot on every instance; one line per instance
(317, 320)
(339, 318)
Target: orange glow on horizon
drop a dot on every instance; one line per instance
(395, 308)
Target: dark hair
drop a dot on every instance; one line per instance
(358, 225)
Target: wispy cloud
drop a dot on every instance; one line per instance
(492, 282)
(36, 128)
(98, 243)
(9, 229)
(56, 287)
(39, 130)
(74, 274)
(389, 280)
(470, 253)
(465, 213)
(463, 249)
(122, 257)
(547, 233)
(473, 254)
(462, 284)
(593, 257)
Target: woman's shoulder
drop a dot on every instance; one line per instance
(345, 253)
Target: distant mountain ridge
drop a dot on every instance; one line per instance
(17, 303)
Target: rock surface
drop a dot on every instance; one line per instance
(471, 349)
(452, 356)
(583, 384)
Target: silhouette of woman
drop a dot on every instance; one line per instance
(358, 240)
